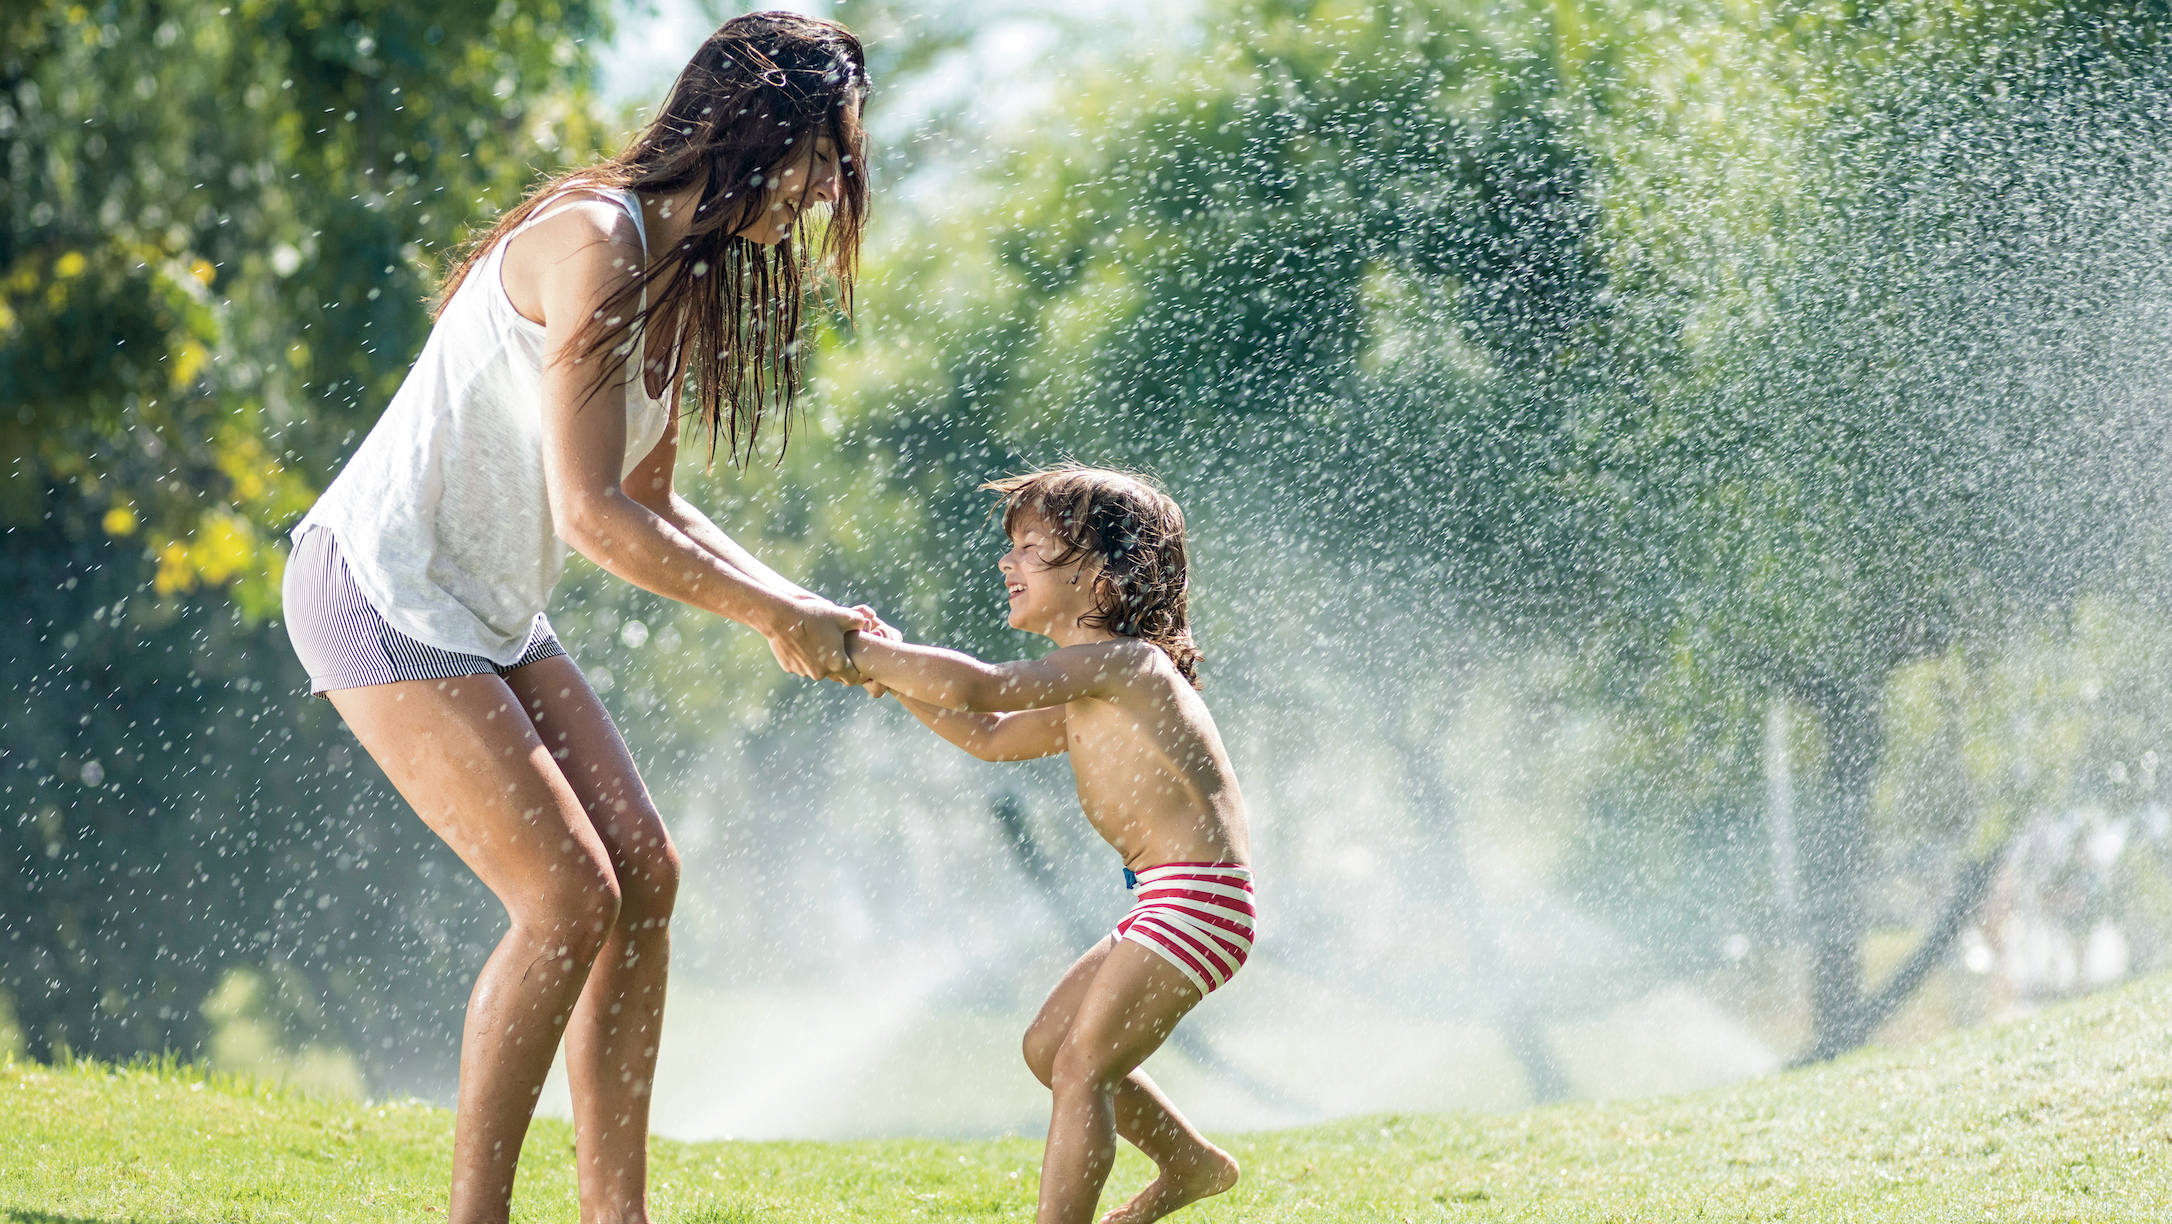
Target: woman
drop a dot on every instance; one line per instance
(540, 416)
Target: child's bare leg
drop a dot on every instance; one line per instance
(1113, 1009)
(1188, 1167)
(1191, 1168)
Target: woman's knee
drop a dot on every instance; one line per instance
(648, 877)
(578, 902)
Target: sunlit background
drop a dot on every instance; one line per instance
(1676, 493)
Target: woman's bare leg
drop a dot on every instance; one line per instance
(467, 758)
(612, 1039)
(1113, 1008)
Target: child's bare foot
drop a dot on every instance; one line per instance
(1212, 1172)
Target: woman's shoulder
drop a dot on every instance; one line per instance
(588, 233)
(578, 218)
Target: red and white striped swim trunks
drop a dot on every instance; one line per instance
(1196, 916)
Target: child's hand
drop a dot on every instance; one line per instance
(881, 628)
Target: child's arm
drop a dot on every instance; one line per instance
(1020, 736)
(957, 681)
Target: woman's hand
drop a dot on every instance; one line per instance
(808, 638)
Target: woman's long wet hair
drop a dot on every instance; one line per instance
(751, 103)
(1134, 530)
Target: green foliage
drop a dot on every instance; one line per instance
(218, 223)
(261, 1024)
(221, 221)
(1979, 739)
(1178, 273)
(1896, 380)
(1651, 334)
(1749, 353)
(1865, 439)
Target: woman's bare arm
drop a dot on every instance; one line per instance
(652, 485)
(593, 249)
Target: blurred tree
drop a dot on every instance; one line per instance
(218, 223)
(1894, 400)
(1185, 271)
(1188, 272)
(1705, 342)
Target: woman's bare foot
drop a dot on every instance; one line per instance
(1210, 1173)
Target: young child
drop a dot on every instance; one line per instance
(1097, 566)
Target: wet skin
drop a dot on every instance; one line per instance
(527, 779)
(1156, 783)
(1152, 774)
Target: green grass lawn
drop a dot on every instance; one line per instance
(2059, 1117)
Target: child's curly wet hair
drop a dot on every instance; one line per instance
(1137, 533)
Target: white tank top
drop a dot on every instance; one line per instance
(443, 515)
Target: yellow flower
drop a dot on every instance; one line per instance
(174, 571)
(187, 363)
(247, 464)
(225, 547)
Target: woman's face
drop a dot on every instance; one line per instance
(801, 181)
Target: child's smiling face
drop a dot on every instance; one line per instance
(1046, 598)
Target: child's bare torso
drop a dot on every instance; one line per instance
(1153, 776)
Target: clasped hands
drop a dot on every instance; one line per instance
(809, 640)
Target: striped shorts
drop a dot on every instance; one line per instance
(344, 641)
(1196, 916)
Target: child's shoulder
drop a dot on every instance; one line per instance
(1130, 651)
(1128, 659)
